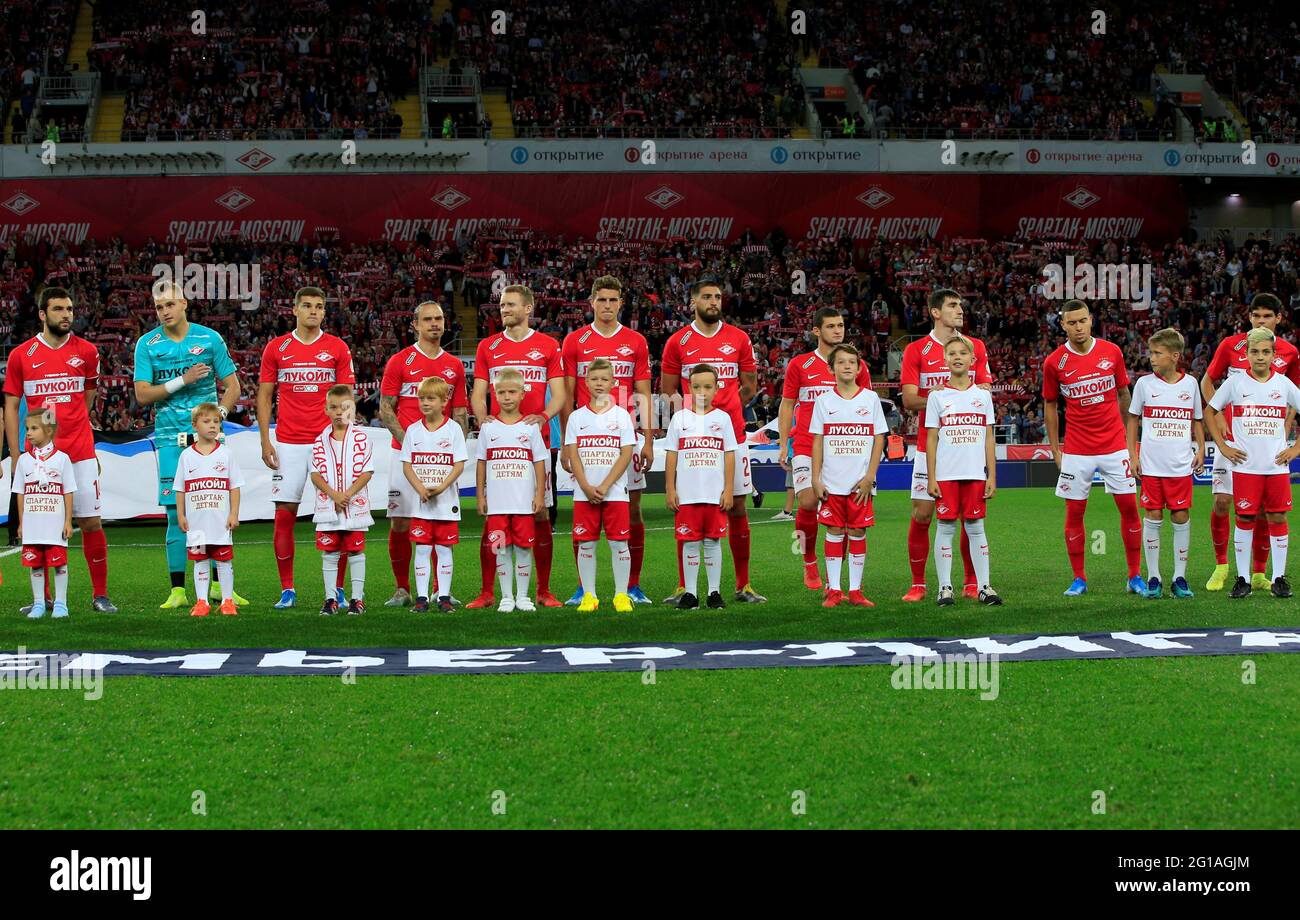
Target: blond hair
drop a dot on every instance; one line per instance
(522, 290)
(599, 364)
(1260, 334)
(204, 409)
(1169, 339)
(434, 387)
(507, 376)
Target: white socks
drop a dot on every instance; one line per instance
(979, 551)
(713, 564)
(857, 561)
(621, 557)
(1182, 542)
(329, 568)
(1278, 544)
(444, 570)
(691, 567)
(38, 586)
(1241, 545)
(226, 579)
(202, 579)
(423, 562)
(943, 537)
(357, 572)
(1151, 543)
(587, 566)
(523, 570)
(504, 563)
(834, 552)
(61, 583)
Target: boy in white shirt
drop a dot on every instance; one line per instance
(1167, 405)
(849, 427)
(433, 457)
(511, 483)
(599, 440)
(1260, 458)
(44, 480)
(207, 487)
(342, 465)
(698, 472)
(961, 462)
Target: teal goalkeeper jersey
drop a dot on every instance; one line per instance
(159, 359)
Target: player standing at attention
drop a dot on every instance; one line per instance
(924, 369)
(629, 356)
(47, 483)
(512, 481)
(342, 465)
(1090, 375)
(728, 350)
(1168, 403)
(1261, 460)
(208, 480)
(58, 370)
(399, 409)
(304, 364)
(807, 377)
(598, 444)
(536, 357)
(1230, 359)
(433, 457)
(848, 428)
(177, 366)
(961, 468)
(699, 479)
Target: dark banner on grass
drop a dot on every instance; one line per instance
(38, 668)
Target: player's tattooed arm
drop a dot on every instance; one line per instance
(461, 418)
(388, 416)
(748, 385)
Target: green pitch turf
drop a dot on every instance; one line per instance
(1170, 743)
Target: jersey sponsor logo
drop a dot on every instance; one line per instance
(207, 483)
(75, 362)
(626, 351)
(52, 386)
(700, 442)
(53, 487)
(1086, 388)
(963, 418)
(936, 380)
(726, 349)
(1171, 412)
(1060, 366)
(810, 393)
(306, 375)
(441, 459)
(1259, 411)
(323, 356)
(1105, 364)
(850, 429)
(531, 372)
(510, 453)
(535, 355)
(198, 349)
(600, 440)
(622, 369)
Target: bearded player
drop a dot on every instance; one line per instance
(59, 371)
(177, 366)
(1089, 374)
(925, 368)
(808, 376)
(399, 409)
(1230, 359)
(629, 355)
(708, 340)
(303, 365)
(537, 357)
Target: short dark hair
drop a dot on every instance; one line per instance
(706, 281)
(308, 292)
(704, 369)
(52, 293)
(847, 349)
(824, 314)
(1071, 305)
(938, 296)
(1266, 301)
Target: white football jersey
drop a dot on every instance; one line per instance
(1167, 411)
(42, 478)
(962, 418)
(600, 438)
(848, 428)
(701, 443)
(432, 454)
(1258, 418)
(510, 452)
(206, 480)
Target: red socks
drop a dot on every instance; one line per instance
(343, 571)
(543, 549)
(1220, 528)
(636, 546)
(95, 547)
(738, 540)
(918, 551)
(1261, 545)
(1074, 508)
(1130, 528)
(681, 576)
(487, 564)
(282, 540)
(805, 523)
(968, 568)
(399, 554)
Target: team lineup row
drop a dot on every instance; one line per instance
(830, 419)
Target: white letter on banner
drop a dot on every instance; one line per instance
(581, 656)
(1158, 641)
(1263, 638)
(463, 658)
(987, 646)
(94, 661)
(821, 651)
(298, 658)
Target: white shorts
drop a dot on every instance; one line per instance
(289, 482)
(801, 472)
(920, 479)
(1221, 476)
(1075, 480)
(635, 475)
(550, 487)
(86, 501)
(403, 500)
(742, 483)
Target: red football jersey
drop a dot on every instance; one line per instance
(625, 349)
(808, 376)
(728, 350)
(925, 365)
(1089, 383)
(1230, 358)
(304, 372)
(58, 378)
(402, 376)
(536, 356)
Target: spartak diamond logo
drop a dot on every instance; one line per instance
(21, 203)
(323, 356)
(1082, 198)
(75, 362)
(875, 197)
(255, 159)
(450, 198)
(235, 200)
(1104, 364)
(664, 197)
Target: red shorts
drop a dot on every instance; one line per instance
(435, 533)
(511, 530)
(588, 520)
(347, 541)
(40, 557)
(1172, 492)
(1256, 492)
(845, 511)
(219, 553)
(699, 522)
(960, 498)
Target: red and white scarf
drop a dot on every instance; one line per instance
(339, 463)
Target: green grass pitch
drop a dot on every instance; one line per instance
(1178, 742)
